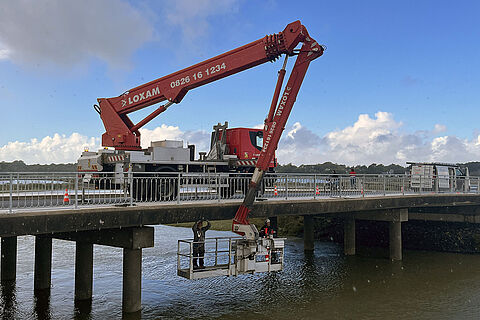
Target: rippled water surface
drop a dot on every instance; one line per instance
(325, 285)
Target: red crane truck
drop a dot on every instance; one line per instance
(232, 151)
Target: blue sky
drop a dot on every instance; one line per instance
(410, 66)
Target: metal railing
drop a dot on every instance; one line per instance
(216, 253)
(49, 190)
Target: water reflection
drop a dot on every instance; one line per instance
(8, 303)
(132, 316)
(83, 309)
(42, 304)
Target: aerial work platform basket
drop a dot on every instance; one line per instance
(228, 256)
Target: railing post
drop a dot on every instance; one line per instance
(364, 184)
(403, 185)
(420, 187)
(286, 187)
(340, 186)
(314, 186)
(216, 250)
(296, 186)
(178, 255)
(384, 184)
(18, 185)
(191, 257)
(218, 187)
(178, 188)
(130, 179)
(11, 196)
(478, 184)
(229, 255)
(76, 190)
(436, 183)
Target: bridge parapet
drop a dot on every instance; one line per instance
(27, 191)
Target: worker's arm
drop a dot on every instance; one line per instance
(208, 226)
(195, 226)
(262, 232)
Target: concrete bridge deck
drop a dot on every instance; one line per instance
(455, 208)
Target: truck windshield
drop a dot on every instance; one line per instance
(256, 137)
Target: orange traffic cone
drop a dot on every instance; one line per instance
(66, 200)
(275, 192)
(317, 192)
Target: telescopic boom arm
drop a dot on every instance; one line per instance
(274, 126)
(123, 134)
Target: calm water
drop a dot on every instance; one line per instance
(325, 285)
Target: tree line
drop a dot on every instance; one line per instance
(330, 168)
(321, 168)
(20, 166)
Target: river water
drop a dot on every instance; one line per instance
(323, 285)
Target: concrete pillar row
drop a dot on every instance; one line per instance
(43, 262)
(83, 270)
(132, 240)
(349, 236)
(9, 259)
(308, 234)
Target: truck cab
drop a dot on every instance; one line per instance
(246, 144)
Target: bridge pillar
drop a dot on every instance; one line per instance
(43, 262)
(132, 280)
(394, 217)
(349, 236)
(132, 240)
(9, 259)
(83, 270)
(395, 234)
(308, 233)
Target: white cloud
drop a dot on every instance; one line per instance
(66, 149)
(4, 54)
(163, 132)
(368, 140)
(56, 149)
(439, 128)
(200, 138)
(70, 32)
(375, 140)
(192, 16)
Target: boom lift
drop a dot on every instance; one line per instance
(123, 134)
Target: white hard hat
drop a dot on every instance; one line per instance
(267, 221)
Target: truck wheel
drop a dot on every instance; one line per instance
(166, 186)
(140, 189)
(235, 184)
(155, 188)
(228, 192)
